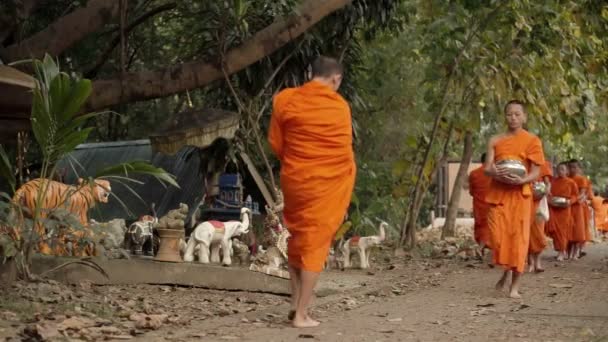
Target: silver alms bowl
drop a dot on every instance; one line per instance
(539, 189)
(560, 202)
(513, 166)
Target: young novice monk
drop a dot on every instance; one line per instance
(537, 226)
(600, 214)
(560, 224)
(510, 195)
(580, 223)
(311, 134)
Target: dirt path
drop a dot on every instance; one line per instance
(569, 302)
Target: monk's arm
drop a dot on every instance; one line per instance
(489, 168)
(532, 175)
(574, 194)
(275, 136)
(582, 194)
(547, 181)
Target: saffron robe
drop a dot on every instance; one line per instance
(538, 241)
(479, 184)
(600, 212)
(604, 226)
(587, 212)
(311, 134)
(560, 224)
(510, 205)
(580, 224)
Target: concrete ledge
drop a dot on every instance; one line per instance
(146, 271)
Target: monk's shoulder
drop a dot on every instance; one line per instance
(496, 139)
(342, 101)
(282, 97)
(532, 138)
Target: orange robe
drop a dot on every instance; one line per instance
(588, 233)
(479, 184)
(580, 225)
(604, 226)
(510, 205)
(311, 134)
(600, 212)
(559, 227)
(538, 241)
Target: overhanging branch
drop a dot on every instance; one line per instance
(148, 84)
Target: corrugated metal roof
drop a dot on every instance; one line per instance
(87, 159)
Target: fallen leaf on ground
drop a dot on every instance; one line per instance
(561, 286)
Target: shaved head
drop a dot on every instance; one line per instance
(326, 67)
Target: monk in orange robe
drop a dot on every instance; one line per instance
(479, 184)
(537, 226)
(580, 223)
(589, 233)
(510, 195)
(311, 134)
(603, 227)
(600, 213)
(561, 222)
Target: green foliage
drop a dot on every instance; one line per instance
(56, 104)
(137, 167)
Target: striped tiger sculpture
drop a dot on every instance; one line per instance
(77, 200)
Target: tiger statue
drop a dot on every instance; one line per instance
(76, 200)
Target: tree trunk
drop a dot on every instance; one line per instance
(409, 234)
(148, 84)
(450, 217)
(65, 31)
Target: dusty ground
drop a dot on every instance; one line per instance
(408, 300)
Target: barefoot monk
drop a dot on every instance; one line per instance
(560, 222)
(537, 225)
(510, 194)
(579, 234)
(311, 134)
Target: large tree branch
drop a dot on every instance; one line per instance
(179, 78)
(101, 60)
(65, 31)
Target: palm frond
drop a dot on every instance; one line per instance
(138, 167)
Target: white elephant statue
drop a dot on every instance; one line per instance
(209, 236)
(361, 246)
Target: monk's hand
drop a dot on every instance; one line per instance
(513, 179)
(501, 172)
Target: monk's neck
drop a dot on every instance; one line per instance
(514, 131)
(322, 82)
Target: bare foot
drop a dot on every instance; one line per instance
(560, 258)
(531, 269)
(305, 322)
(500, 285)
(514, 294)
(539, 270)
